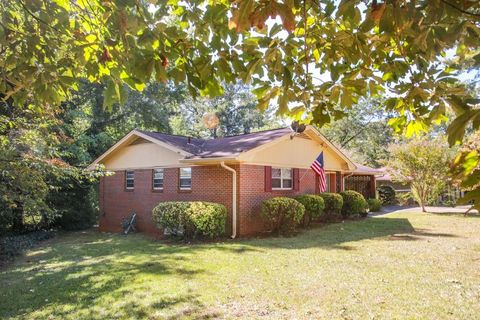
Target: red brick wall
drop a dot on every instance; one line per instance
(209, 183)
(252, 193)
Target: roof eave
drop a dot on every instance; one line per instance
(212, 160)
(126, 139)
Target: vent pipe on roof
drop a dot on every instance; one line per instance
(189, 140)
(234, 198)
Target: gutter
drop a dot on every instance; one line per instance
(234, 198)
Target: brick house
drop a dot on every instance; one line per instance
(238, 172)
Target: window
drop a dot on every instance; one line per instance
(327, 177)
(157, 179)
(282, 178)
(129, 179)
(185, 178)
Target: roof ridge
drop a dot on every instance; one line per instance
(246, 134)
(168, 134)
(203, 139)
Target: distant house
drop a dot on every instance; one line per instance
(238, 171)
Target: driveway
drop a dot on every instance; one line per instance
(457, 209)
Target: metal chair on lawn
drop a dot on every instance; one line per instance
(128, 224)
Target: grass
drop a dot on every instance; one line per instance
(409, 265)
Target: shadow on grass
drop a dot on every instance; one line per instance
(77, 271)
(334, 236)
(71, 273)
(473, 215)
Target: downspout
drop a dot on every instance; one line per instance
(234, 198)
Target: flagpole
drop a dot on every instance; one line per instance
(304, 174)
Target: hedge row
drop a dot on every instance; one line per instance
(283, 214)
(192, 219)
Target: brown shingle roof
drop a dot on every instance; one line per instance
(221, 147)
(361, 169)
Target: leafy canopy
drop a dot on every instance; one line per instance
(314, 58)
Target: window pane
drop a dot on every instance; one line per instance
(158, 179)
(185, 178)
(129, 179)
(276, 183)
(185, 183)
(276, 172)
(287, 183)
(158, 173)
(286, 173)
(185, 172)
(327, 176)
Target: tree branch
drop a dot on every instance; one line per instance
(460, 9)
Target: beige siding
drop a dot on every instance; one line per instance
(141, 155)
(298, 152)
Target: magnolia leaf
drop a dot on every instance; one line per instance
(240, 20)
(286, 14)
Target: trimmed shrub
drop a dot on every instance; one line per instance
(374, 205)
(333, 205)
(208, 219)
(386, 194)
(189, 220)
(282, 214)
(353, 203)
(314, 206)
(172, 217)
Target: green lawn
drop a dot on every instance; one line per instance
(408, 265)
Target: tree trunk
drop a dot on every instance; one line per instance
(423, 208)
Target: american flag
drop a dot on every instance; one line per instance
(318, 167)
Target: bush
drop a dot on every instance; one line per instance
(14, 245)
(353, 203)
(374, 205)
(76, 208)
(282, 214)
(404, 199)
(208, 219)
(191, 219)
(314, 206)
(386, 194)
(333, 205)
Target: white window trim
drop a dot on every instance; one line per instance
(180, 177)
(281, 178)
(153, 179)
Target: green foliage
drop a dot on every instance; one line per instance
(76, 207)
(235, 111)
(404, 198)
(208, 218)
(191, 219)
(172, 217)
(357, 49)
(333, 205)
(11, 246)
(466, 170)
(386, 194)
(423, 163)
(364, 132)
(353, 204)
(282, 214)
(374, 205)
(314, 206)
